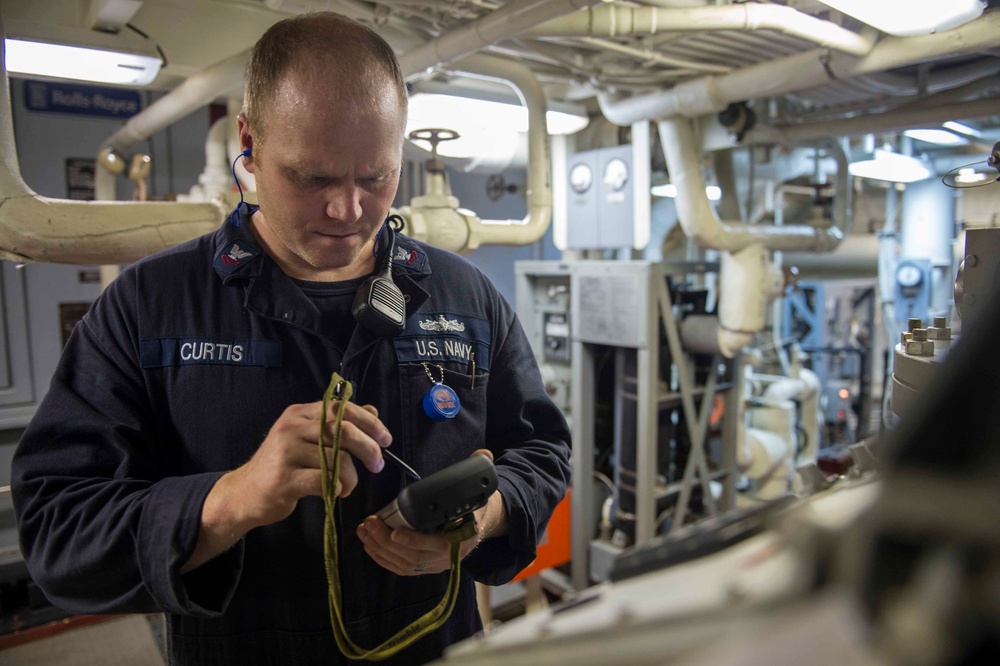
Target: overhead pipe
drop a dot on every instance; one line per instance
(802, 71)
(436, 218)
(619, 21)
(508, 21)
(749, 279)
(539, 185)
(900, 85)
(885, 122)
(222, 77)
(195, 92)
(37, 228)
(698, 219)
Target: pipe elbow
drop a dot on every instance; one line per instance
(828, 240)
(732, 342)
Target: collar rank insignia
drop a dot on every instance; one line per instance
(233, 256)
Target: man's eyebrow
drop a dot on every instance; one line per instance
(303, 171)
(379, 174)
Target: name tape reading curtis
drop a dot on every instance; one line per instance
(163, 352)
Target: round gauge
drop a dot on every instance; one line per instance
(616, 174)
(581, 178)
(908, 275)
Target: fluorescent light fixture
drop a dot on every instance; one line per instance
(940, 137)
(910, 17)
(77, 54)
(484, 127)
(970, 175)
(669, 190)
(891, 167)
(962, 129)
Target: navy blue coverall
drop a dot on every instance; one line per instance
(176, 375)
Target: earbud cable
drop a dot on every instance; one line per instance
(341, 390)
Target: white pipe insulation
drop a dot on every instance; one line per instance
(801, 71)
(216, 179)
(698, 219)
(805, 390)
(36, 228)
(539, 184)
(749, 280)
(435, 218)
(618, 21)
(196, 91)
(509, 20)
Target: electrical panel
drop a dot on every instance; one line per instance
(543, 306)
(601, 198)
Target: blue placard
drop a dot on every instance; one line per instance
(77, 99)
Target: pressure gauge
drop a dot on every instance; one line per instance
(909, 276)
(581, 178)
(616, 174)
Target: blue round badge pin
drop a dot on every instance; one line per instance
(441, 402)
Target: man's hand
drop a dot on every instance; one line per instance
(285, 469)
(407, 552)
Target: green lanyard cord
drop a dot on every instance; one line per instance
(341, 389)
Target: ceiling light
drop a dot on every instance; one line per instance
(891, 167)
(962, 129)
(970, 175)
(669, 190)
(940, 137)
(910, 17)
(482, 125)
(80, 55)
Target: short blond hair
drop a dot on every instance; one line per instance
(310, 42)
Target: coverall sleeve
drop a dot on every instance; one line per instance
(530, 440)
(103, 525)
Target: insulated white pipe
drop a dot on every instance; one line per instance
(35, 228)
(856, 256)
(510, 20)
(805, 390)
(216, 178)
(196, 91)
(697, 217)
(801, 71)
(749, 280)
(539, 185)
(889, 121)
(617, 21)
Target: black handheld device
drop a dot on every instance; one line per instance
(444, 497)
(378, 304)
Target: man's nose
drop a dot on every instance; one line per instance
(344, 203)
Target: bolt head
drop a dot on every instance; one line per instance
(935, 333)
(921, 348)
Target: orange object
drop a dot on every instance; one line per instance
(554, 547)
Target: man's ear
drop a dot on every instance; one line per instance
(246, 142)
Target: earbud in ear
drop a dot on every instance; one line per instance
(247, 153)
